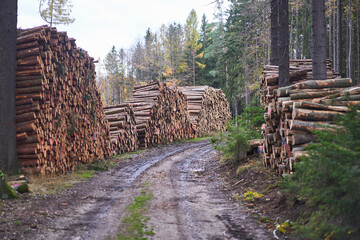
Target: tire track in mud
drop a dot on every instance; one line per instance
(96, 215)
(189, 202)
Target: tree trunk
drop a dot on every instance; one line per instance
(330, 34)
(349, 53)
(318, 40)
(193, 67)
(338, 36)
(274, 15)
(334, 35)
(284, 43)
(8, 33)
(358, 41)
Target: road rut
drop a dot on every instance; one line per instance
(190, 201)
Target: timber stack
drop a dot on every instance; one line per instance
(295, 111)
(161, 114)
(123, 135)
(59, 117)
(300, 70)
(208, 108)
(306, 65)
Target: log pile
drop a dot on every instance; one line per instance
(297, 110)
(306, 64)
(123, 135)
(161, 115)
(59, 117)
(300, 70)
(208, 108)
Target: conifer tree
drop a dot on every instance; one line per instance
(56, 11)
(192, 45)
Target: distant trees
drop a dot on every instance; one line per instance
(230, 52)
(114, 85)
(274, 19)
(171, 54)
(56, 11)
(8, 33)
(193, 45)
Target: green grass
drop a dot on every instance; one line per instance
(127, 155)
(51, 185)
(83, 175)
(135, 223)
(197, 139)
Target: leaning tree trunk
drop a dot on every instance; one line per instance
(8, 21)
(318, 40)
(274, 16)
(284, 43)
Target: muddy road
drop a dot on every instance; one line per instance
(189, 200)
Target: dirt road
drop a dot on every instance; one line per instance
(190, 201)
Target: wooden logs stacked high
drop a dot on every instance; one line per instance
(123, 135)
(300, 70)
(306, 64)
(161, 114)
(59, 117)
(208, 108)
(296, 111)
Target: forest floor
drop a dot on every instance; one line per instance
(181, 191)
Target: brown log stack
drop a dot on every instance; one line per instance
(300, 70)
(60, 121)
(123, 135)
(292, 113)
(161, 114)
(208, 108)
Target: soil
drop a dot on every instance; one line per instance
(193, 199)
(275, 206)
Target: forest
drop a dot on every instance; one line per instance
(160, 111)
(229, 52)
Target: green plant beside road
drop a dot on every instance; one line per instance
(135, 222)
(329, 178)
(245, 127)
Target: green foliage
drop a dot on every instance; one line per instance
(250, 196)
(83, 175)
(193, 46)
(329, 178)
(7, 191)
(100, 165)
(56, 11)
(243, 128)
(135, 222)
(23, 188)
(284, 227)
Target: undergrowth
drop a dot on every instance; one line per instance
(329, 178)
(234, 143)
(135, 222)
(54, 184)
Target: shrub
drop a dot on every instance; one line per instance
(330, 180)
(234, 143)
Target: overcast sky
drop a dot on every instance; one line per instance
(100, 24)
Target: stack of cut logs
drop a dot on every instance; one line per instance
(208, 108)
(306, 65)
(123, 135)
(293, 112)
(161, 114)
(300, 70)
(59, 117)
